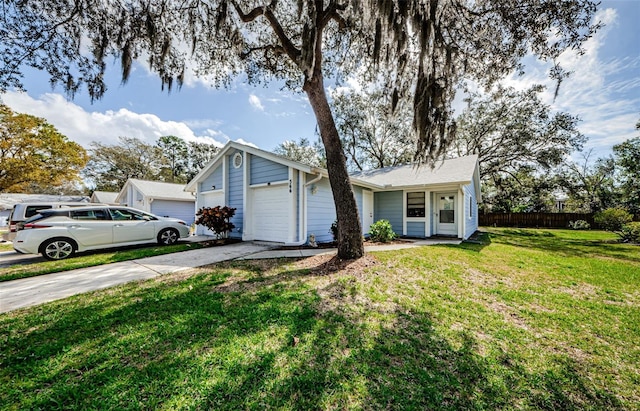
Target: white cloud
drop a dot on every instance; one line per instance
(604, 94)
(85, 127)
(255, 102)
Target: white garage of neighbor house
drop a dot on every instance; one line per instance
(161, 199)
(280, 200)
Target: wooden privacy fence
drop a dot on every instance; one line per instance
(545, 220)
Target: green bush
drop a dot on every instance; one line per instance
(612, 219)
(631, 232)
(216, 219)
(381, 231)
(579, 225)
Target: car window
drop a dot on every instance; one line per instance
(33, 210)
(124, 214)
(89, 215)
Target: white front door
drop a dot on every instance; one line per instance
(446, 215)
(367, 210)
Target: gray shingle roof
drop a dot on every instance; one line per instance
(456, 170)
(160, 190)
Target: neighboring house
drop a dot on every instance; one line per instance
(104, 197)
(7, 201)
(281, 200)
(162, 199)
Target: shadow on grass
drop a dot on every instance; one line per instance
(195, 344)
(547, 240)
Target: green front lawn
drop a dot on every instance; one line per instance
(529, 319)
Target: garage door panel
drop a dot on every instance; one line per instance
(271, 213)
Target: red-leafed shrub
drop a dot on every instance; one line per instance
(216, 219)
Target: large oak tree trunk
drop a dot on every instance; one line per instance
(350, 245)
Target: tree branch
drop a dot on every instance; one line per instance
(287, 46)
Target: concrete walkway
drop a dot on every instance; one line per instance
(49, 287)
(31, 291)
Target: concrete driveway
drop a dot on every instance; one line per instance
(37, 290)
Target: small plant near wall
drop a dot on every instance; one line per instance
(613, 219)
(216, 219)
(381, 232)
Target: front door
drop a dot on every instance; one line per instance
(446, 218)
(367, 210)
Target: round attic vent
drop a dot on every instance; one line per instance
(237, 160)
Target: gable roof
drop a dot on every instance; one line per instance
(157, 190)
(105, 197)
(232, 145)
(453, 171)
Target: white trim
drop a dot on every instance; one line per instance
(247, 198)
(237, 157)
(292, 207)
(461, 213)
(406, 219)
(270, 184)
(302, 208)
(428, 209)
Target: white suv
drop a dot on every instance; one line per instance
(59, 233)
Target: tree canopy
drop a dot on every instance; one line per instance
(627, 158)
(34, 156)
(511, 129)
(172, 160)
(373, 135)
(424, 47)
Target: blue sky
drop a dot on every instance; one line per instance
(604, 90)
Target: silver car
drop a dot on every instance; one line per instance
(59, 233)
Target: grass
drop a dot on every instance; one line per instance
(90, 259)
(527, 319)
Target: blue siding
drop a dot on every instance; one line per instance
(470, 215)
(214, 179)
(321, 211)
(387, 205)
(235, 195)
(415, 229)
(266, 171)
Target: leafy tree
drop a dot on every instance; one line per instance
(301, 151)
(34, 155)
(199, 155)
(111, 166)
(373, 135)
(511, 129)
(627, 158)
(525, 191)
(175, 151)
(590, 186)
(425, 48)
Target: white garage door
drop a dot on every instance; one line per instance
(271, 213)
(210, 200)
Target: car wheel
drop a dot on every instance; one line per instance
(168, 236)
(58, 249)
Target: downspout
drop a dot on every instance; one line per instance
(315, 180)
(303, 205)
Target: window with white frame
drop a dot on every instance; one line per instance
(416, 204)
